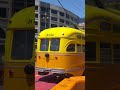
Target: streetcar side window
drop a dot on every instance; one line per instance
(90, 51)
(116, 53)
(71, 48)
(22, 46)
(44, 44)
(78, 48)
(55, 43)
(83, 48)
(105, 52)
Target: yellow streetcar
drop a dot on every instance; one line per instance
(19, 51)
(61, 50)
(102, 49)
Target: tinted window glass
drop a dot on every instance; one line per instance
(3, 13)
(36, 23)
(55, 44)
(44, 45)
(22, 46)
(53, 25)
(90, 51)
(54, 18)
(61, 20)
(71, 48)
(116, 53)
(54, 11)
(36, 15)
(83, 48)
(61, 14)
(105, 52)
(78, 48)
(105, 26)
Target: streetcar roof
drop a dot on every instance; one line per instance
(23, 19)
(60, 32)
(94, 13)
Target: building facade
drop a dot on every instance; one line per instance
(81, 26)
(9, 7)
(48, 15)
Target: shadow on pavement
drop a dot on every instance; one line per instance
(52, 78)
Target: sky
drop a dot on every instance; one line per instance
(75, 6)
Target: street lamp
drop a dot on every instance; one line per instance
(45, 19)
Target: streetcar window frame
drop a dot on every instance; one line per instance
(44, 44)
(55, 44)
(90, 51)
(79, 48)
(68, 49)
(22, 47)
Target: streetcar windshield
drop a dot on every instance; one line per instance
(22, 46)
(55, 44)
(44, 45)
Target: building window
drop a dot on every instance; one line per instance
(36, 31)
(72, 18)
(54, 18)
(53, 25)
(3, 2)
(16, 10)
(42, 23)
(2, 33)
(36, 15)
(36, 7)
(61, 20)
(67, 22)
(3, 13)
(90, 51)
(61, 14)
(44, 9)
(105, 26)
(18, 4)
(54, 11)
(105, 53)
(42, 28)
(71, 48)
(116, 53)
(67, 16)
(42, 16)
(36, 23)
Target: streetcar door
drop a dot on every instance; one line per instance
(19, 60)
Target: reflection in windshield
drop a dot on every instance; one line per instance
(55, 44)
(44, 45)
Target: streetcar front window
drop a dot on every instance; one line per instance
(55, 43)
(22, 46)
(44, 45)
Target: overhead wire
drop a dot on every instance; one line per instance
(75, 25)
(75, 4)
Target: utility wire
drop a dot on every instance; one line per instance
(75, 25)
(77, 6)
